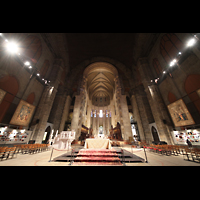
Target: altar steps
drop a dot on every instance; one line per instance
(97, 157)
(127, 157)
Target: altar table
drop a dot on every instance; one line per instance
(92, 143)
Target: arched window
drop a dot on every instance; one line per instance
(192, 84)
(170, 45)
(32, 48)
(157, 66)
(171, 97)
(31, 97)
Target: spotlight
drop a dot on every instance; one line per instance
(191, 42)
(172, 62)
(12, 47)
(27, 63)
(38, 74)
(30, 66)
(164, 72)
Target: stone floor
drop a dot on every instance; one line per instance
(42, 159)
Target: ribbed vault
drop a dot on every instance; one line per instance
(100, 80)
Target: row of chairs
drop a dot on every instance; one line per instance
(31, 148)
(166, 149)
(189, 153)
(7, 152)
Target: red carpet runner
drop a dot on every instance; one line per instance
(94, 157)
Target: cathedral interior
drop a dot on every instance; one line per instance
(144, 85)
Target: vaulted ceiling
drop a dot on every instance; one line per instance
(100, 79)
(101, 84)
(75, 48)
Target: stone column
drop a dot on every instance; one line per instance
(97, 122)
(123, 111)
(142, 113)
(94, 123)
(47, 100)
(159, 109)
(65, 113)
(125, 118)
(104, 122)
(79, 110)
(57, 108)
(89, 114)
(76, 112)
(161, 116)
(112, 113)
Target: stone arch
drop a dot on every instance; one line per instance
(31, 97)
(171, 97)
(11, 86)
(79, 68)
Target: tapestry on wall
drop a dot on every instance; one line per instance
(23, 114)
(2, 95)
(180, 114)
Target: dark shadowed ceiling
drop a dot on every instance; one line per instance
(74, 48)
(118, 46)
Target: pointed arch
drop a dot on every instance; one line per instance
(11, 86)
(171, 97)
(192, 84)
(31, 97)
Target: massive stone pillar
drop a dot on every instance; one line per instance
(104, 122)
(79, 109)
(123, 111)
(142, 113)
(125, 118)
(94, 123)
(57, 108)
(97, 123)
(46, 101)
(112, 113)
(159, 109)
(75, 118)
(65, 113)
(89, 109)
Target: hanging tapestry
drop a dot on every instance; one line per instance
(23, 114)
(180, 114)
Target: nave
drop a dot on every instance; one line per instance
(42, 159)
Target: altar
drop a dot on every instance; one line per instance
(92, 143)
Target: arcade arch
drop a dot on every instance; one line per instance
(100, 92)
